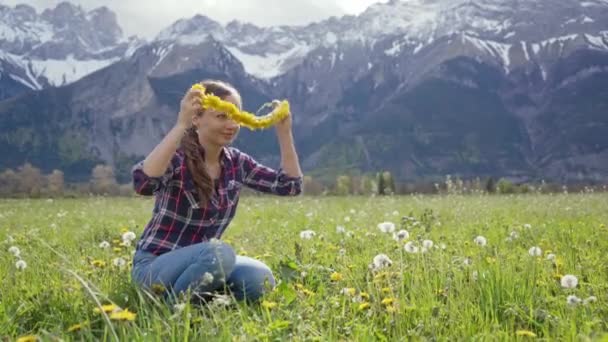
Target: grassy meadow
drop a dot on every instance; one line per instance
(476, 267)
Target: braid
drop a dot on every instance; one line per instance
(196, 165)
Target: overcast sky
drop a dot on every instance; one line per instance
(147, 17)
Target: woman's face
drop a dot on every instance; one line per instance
(215, 127)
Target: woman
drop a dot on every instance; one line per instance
(196, 179)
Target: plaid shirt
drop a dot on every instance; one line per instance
(178, 220)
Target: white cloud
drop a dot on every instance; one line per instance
(147, 18)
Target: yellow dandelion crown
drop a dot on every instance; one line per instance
(251, 121)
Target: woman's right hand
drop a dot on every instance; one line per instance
(189, 107)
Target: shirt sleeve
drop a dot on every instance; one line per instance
(148, 186)
(265, 179)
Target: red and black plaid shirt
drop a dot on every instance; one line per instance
(179, 221)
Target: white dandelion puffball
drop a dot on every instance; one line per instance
(527, 226)
(589, 300)
(381, 261)
(514, 235)
(179, 307)
(14, 250)
(347, 219)
(428, 244)
(307, 234)
(401, 235)
(340, 229)
(569, 281)
(481, 241)
(535, 251)
(207, 279)
(410, 247)
(551, 256)
(573, 300)
(119, 262)
(20, 264)
(128, 236)
(386, 227)
(104, 244)
(222, 300)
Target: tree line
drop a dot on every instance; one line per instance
(29, 181)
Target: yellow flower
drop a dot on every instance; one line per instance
(490, 260)
(269, 305)
(388, 301)
(364, 295)
(251, 121)
(98, 263)
(387, 290)
(123, 315)
(116, 242)
(298, 286)
(525, 333)
(78, 326)
(391, 309)
(158, 288)
(107, 308)
(363, 306)
(336, 276)
(307, 292)
(28, 338)
(349, 291)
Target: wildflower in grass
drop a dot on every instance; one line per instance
(206, 279)
(525, 333)
(269, 305)
(336, 276)
(386, 227)
(158, 288)
(573, 300)
(98, 263)
(119, 262)
(480, 241)
(428, 244)
(527, 226)
(307, 234)
(363, 306)
(221, 300)
(364, 296)
(78, 326)
(28, 338)
(128, 236)
(535, 251)
(589, 300)
(514, 235)
(104, 244)
(569, 281)
(551, 257)
(388, 301)
(401, 235)
(410, 247)
(14, 250)
(349, 291)
(347, 219)
(340, 230)
(386, 290)
(117, 250)
(20, 265)
(123, 315)
(179, 307)
(107, 308)
(342, 252)
(380, 261)
(125, 243)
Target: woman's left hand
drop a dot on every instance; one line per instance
(284, 126)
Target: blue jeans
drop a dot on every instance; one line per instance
(204, 268)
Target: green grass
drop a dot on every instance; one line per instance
(437, 295)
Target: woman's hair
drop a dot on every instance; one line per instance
(193, 149)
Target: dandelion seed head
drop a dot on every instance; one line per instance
(119, 262)
(569, 281)
(410, 247)
(104, 244)
(128, 236)
(381, 261)
(535, 251)
(340, 229)
(428, 244)
(307, 234)
(589, 300)
(14, 250)
(206, 279)
(21, 265)
(551, 256)
(573, 300)
(481, 241)
(386, 227)
(401, 235)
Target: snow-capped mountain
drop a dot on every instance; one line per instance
(57, 46)
(499, 28)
